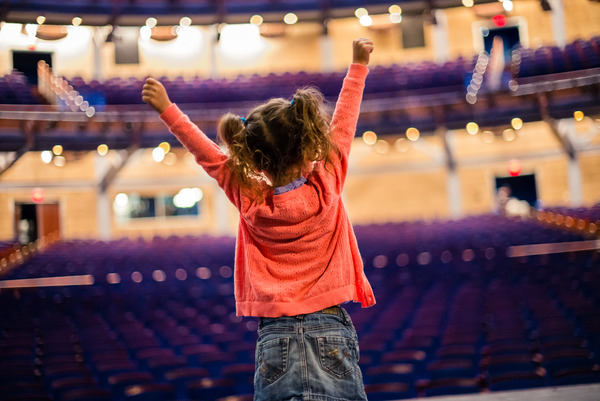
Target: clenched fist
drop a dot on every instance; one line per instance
(155, 94)
(362, 49)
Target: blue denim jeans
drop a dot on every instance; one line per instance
(308, 357)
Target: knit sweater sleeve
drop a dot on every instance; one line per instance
(205, 151)
(345, 118)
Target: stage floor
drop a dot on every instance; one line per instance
(587, 392)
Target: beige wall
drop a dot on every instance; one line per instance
(393, 186)
(397, 197)
(590, 177)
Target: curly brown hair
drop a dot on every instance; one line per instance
(279, 138)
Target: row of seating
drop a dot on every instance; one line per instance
(15, 89)
(423, 77)
(454, 315)
(577, 55)
(189, 7)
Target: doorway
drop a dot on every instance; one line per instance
(34, 221)
(516, 195)
(27, 61)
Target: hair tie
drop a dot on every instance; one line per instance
(243, 121)
(292, 102)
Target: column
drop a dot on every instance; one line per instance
(99, 39)
(441, 47)
(327, 64)
(221, 208)
(104, 216)
(575, 186)
(567, 129)
(452, 181)
(558, 23)
(103, 204)
(212, 41)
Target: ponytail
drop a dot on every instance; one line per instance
(230, 129)
(312, 117)
(280, 138)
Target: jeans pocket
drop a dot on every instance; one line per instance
(337, 355)
(272, 361)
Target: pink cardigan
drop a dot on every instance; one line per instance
(296, 252)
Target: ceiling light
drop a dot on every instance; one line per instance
(361, 12)
(366, 20)
(256, 20)
(185, 22)
(151, 22)
(472, 128)
(395, 9)
(290, 18)
(413, 134)
(369, 137)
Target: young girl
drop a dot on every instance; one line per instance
(296, 256)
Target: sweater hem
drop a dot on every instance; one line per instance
(300, 307)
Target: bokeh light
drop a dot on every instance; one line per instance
(509, 135)
(203, 273)
(46, 156)
(382, 146)
(516, 123)
(369, 137)
(413, 134)
(395, 9)
(185, 22)
(366, 20)
(256, 20)
(151, 22)
(166, 146)
(361, 12)
(472, 128)
(102, 149)
(158, 154)
(402, 145)
(290, 18)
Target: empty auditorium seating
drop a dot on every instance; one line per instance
(577, 55)
(455, 315)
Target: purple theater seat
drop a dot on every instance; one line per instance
(60, 386)
(448, 386)
(452, 368)
(118, 382)
(161, 364)
(577, 375)
(150, 392)
(388, 391)
(390, 373)
(516, 381)
(210, 389)
(87, 394)
(242, 374)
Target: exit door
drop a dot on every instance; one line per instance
(34, 221)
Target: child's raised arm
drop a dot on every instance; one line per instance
(345, 116)
(155, 94)
(361, 51)
(205, 151)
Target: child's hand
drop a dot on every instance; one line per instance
(362, 51)
(155, 94)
